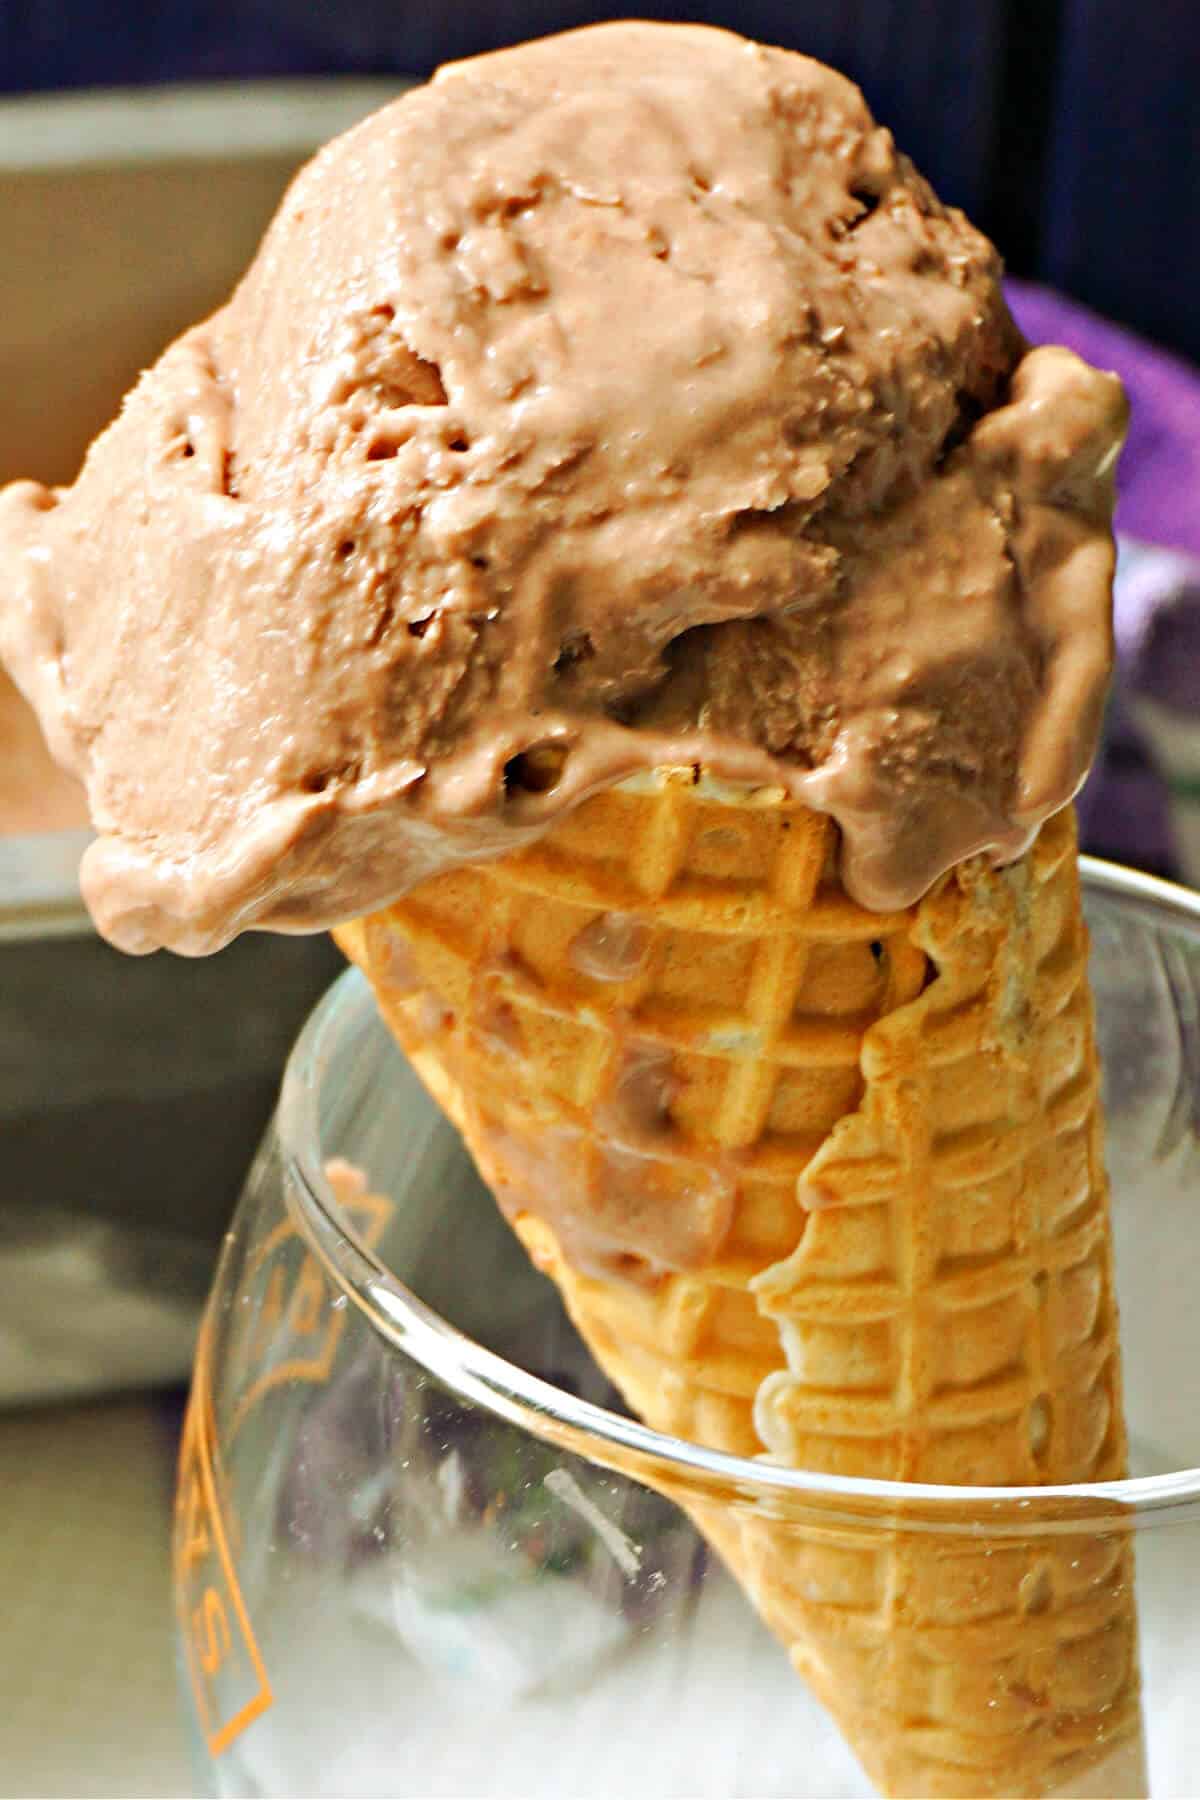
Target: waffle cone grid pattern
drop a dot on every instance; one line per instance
(910, 1274)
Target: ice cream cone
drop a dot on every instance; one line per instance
(823, 1184)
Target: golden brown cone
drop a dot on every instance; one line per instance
(878, 1138)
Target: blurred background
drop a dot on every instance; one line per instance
(142, 149)
(1067, 127)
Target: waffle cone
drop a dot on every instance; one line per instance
(824, 1185)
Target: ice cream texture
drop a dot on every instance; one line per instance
(617, 402)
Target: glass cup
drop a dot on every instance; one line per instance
(422, 1550)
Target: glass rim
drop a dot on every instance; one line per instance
(404, 1321)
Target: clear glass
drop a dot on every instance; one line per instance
(421, 1550)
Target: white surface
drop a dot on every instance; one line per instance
(39, 886)
(130, 125)
(88, 1699)
(67, 1326)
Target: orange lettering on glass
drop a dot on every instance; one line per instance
(196, 1542)
(228, 1680)
(308, 1300)
(210, 1630)
(296, 1330)
(270, 1313)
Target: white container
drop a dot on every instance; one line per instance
(132, 1093)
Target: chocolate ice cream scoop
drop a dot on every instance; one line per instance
(617, 401)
